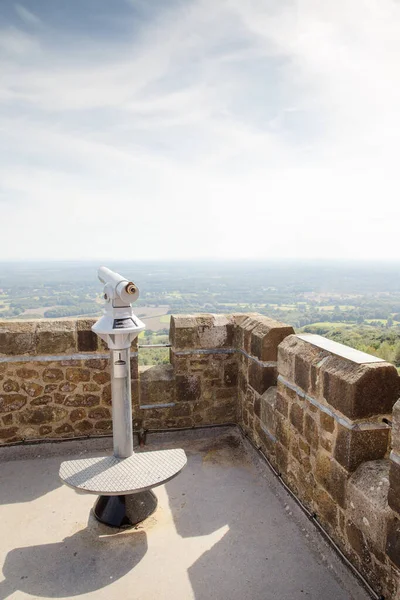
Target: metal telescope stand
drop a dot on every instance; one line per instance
(122, 481)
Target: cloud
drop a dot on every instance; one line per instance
(26, 15)
(234, 129)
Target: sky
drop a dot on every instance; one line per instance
(157, 129)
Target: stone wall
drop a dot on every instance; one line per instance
(324, 423)
(54, 380)
(319, 411)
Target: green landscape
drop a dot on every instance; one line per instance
(354, 303)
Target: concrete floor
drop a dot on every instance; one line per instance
(224, 528)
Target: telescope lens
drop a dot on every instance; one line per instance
(130, 288)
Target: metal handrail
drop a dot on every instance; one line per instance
(154, 345)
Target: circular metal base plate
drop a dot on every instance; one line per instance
(112, 476)
(125, 511)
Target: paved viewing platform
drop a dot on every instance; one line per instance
(225, 528)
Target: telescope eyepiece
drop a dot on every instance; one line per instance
(130, 288)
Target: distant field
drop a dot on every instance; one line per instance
(330, 324)
(155, 318)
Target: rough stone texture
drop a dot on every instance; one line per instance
(323, 461)
(394, 488)
(357, 391)
(201, 331)
(267, 410)
(396, 427)
(355, 446)
(157, 385)
(367, 505)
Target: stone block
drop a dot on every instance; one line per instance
(45, 429)
(355, 446)
(297, 417)
(360, 391)
(83, 426)
(87, 340)
(281, 457)
(286, 357)
(55, 337)
(183, 332)
(267, 409)
(182, 409)
(358, 543)
(104, 425)
(218, 334)
(266, 337)
(52, 374)
(221, 413)
(7, 419)
(332, 477)
(10, 402)
(10, 385)
(41, 400)
(77, 414)
(102, 377)
(45, 414)
(231, 374)
(394, 486)
(356, 390)
(201, 331)
(267, 443)
(282, 430)
(65, 428)
(393, 541)
(281, 404)
(188, 388)
(396, 427)
(261, 377)
(100, 412)
(27, 373)
(82, 400)
(106, 394)
(311, 431)
(78, 375)
(7, 434)
(32, 389)
(157, 385)
(50, 387)
(367, 500)
(327, 422)
(17, 338)
(326, 508)
(67, 387)
(97, 363)
(134, 365)
(244, 330)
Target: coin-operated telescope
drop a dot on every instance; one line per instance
(124, 480)
(119, 326)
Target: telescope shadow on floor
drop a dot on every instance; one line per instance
(82, 563)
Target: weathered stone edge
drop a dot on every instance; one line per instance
(270, 363)
(338, 418)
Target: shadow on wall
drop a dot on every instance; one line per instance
(79, 564)
(255, 549)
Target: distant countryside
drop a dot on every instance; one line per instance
(354, 303)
